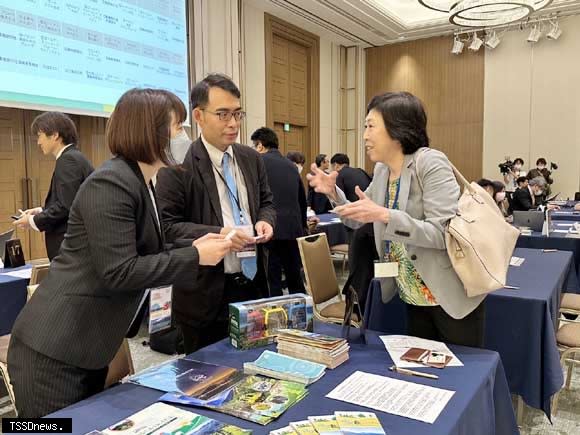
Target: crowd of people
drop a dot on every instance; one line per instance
(231, 215)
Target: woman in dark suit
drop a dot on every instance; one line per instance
(68, 333)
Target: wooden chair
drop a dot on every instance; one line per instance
(321, 281)
(341, 251)
(568, 339)
(39, 272)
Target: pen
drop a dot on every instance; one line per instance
(549, 250)
(511, 287)
(412, 372)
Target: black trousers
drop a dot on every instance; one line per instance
(237, 288)
(52, 241)
(362, 254)
(43, 385)
(434, 323)
(284, 254)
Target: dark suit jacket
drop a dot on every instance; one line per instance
(190, 208)
(522, 200)
(71, 169)
(289, 196)
(318, 202)
(113, 251)
(348, 178)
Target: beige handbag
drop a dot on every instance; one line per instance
(479, 241)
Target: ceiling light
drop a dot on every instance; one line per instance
(535, 33)
(457, 46)
(476, 43)
(484, 13)
(492, 41)
(555, 32)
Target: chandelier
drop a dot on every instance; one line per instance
(484, 13)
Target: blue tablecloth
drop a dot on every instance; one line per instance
(566, 215)
(335, 231)
(480, 406)
(12, 298)
(520, 324)
(554, 241)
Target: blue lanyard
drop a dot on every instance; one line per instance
(395, 204)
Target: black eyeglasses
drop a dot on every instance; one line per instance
(227, 116)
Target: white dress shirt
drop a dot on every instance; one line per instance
(39, 209)
(232, 263)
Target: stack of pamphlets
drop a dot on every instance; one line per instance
(278, 366)
(223, 389)
(162, 419)
(319, 348)
(341, 423)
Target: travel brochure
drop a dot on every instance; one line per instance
(278, 366)
(317, 348)
(162, 419)
(341, 423)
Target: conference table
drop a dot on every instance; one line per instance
(12, 297)
(331, 225)
(565, 215)
(555, 240)
(520, 324)
(480, 406)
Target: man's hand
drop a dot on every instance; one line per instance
(239, 239)
(265, 230)
(22, 223)
(212, 248)
(322, 182)
(364, 210)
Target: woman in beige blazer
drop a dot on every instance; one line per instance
(413, 196)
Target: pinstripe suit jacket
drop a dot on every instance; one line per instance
(112, 251)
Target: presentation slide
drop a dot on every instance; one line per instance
(80, 56)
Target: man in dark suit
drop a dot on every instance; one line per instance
(290, 205)
(222, 186)
(524, 199)
(361, 242)
(317, 202)
(57, 135)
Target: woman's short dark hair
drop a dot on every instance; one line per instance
(177, 106)
(50, 123)
(319, 159)
(541, 161)
(266, 136)
(484, 182)
(519, 160)
(404, 117)
(138, 128)
(296, 157)
(200, 92)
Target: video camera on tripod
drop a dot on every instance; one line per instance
(506, 167)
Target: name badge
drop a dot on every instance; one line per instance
(387, 270)
(250, 249)
(160, 308)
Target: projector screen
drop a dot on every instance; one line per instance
(80, 56)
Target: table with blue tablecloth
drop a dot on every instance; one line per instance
(565, 215)
(12, 298)
(520, 324)
(480, 406)
(335, 231)
(555, 240)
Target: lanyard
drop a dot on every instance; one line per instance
(232, 195)
(395, 205)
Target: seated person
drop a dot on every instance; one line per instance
(524, 199)
(487, 185)
(496, 190)
(522, 182)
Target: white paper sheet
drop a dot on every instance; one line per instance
(407, 399)
(397, 345)
(23, 273)
(565, 225)
(517, 261)
(561, 231)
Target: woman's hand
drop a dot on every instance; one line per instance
(212, 248)
(364, 210)
(322, 182)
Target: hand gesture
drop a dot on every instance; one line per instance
(321, 181)
(212, 248)
(364, 210)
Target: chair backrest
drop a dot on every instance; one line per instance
(39, 272)
(121, 366)
(318, 267)
(577, 196)
(30, 289)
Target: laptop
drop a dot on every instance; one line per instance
(533, 219)
(4, 237)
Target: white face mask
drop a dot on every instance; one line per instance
(540, 167)
(300, 167)
(179, 146)
(517, 167)
(539, 192)
(500, 196)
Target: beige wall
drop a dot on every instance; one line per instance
(532, 104)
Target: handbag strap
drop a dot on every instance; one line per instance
(458, 175)
(352, 303)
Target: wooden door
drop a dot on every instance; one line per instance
(13, 187)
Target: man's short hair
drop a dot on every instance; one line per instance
(266, 136)
(522, 179)
(296, 157)
(50, 123)
(519, 160)
(541, 161)
(319, 159)
(200, 92)
(538, 181)
(138, 128)
(340, 159)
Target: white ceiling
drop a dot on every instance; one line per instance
(373, 22)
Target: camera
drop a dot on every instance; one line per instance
(553, 166)
(506, 167)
